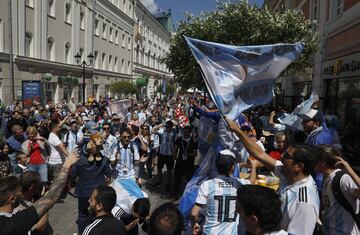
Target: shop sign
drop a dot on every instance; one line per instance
(346, 66)
(31, 91)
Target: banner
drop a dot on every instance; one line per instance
(30, 92)
(119, 107)
(241, 77)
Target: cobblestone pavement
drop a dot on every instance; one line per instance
(63, 215)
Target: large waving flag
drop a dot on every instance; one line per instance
(239, 77)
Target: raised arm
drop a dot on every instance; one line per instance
(45, 203)
(252, 147)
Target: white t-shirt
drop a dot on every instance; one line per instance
(219, 196)
(300, 204)
(336, 219)
(281, 232)
(55, 156)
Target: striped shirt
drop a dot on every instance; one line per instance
(336, 219)
(106, 224)
(167, 142)
(300, 204)
(219, 196)
(109, 146)
(125, 165)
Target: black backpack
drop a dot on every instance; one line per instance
(335, 185)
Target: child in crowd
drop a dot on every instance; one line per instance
(22, 162)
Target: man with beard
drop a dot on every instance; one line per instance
(10, 195)
(101, 202)
(91, 170)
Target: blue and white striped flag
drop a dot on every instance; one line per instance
(241, 77)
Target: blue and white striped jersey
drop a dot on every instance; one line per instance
(109, 145)
(167, 142)
(300, 204)
(336, 219)
(125, 165)
(219, 197)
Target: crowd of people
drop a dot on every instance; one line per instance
(112, 159)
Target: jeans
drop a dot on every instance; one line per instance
(42, 169)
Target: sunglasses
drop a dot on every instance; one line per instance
(106, 128)
(126, 137)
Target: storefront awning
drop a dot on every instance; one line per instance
(142, 81)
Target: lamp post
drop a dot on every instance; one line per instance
(84, 65)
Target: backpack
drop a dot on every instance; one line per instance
(335, 186)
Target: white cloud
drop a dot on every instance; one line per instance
(150, 5)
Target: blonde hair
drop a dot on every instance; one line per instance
(32, 130)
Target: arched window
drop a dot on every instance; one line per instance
(68, 12)
(67, 52)
(82, 19)
(29, 48)
(50, 48)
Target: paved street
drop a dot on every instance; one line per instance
(63, 215)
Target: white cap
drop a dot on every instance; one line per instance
(227, 152)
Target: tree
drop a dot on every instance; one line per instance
(239, 24)
(123, 88)
(170, 89)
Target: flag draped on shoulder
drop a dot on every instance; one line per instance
(239, 77)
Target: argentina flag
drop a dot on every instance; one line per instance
(239, 77)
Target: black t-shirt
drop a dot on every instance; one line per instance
(20, 223)
(106, 224)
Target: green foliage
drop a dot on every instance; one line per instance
(170, 89)
(239, 24)
(123, 88)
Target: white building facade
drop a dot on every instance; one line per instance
(39, 39)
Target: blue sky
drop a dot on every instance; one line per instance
(178, 7)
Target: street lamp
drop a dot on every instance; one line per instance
(84, 65)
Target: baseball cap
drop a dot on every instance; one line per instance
(91, 126)
(227, 152)
(312, 115)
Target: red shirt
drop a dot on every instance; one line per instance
(276, 154)
(35, 154)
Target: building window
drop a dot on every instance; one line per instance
(122, 66)
(82, 19)
(96, 59)
(116, 37)
(123, 40)
(124, 5)
(103, 60)
(50, 49)
(29, 3)
(336, 8)
(29, 45)
(68, 12)
(315, 10)
(110, 63)
(2, 35)
(51, 8)
(111, 34)
(129, 42)
(96, 27)
(67, 52)
(81, 52)
(49, 90)
(104, 30)
(130, 10)
(116, 65)
(128, 68)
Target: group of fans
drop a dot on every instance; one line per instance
(111, 158)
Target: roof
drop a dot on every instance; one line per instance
(164, 18)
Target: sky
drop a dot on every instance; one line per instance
(178, 7)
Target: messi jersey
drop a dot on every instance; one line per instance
(219, 197)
